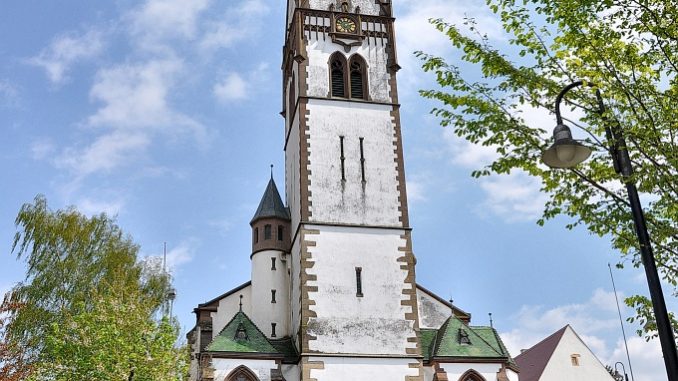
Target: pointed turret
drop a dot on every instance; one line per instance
(271, 222)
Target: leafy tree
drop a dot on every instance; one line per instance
(12, 359)
(629, 50)
(87, 302)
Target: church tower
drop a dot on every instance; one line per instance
(333, 294)
(353, 292)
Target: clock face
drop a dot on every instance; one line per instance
(345, 25)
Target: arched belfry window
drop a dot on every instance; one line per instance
(357, 77)
(338, 75)
(242, 373)
(348, 79)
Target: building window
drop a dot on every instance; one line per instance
(267, 232)
(281, 231)
(463, 337)
(357, 76)
(272, 329)
(348, 80)
(359, 281)
(574, 358)
(256, 235)
(342, 157)
(292, 99)
(338, 75)
(272, 263)
(272, 296)
(241, 373)
(362, 159)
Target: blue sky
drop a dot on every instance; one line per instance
(166, 114)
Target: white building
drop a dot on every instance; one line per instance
(563, 356)
(333, 294)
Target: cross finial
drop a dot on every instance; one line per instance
(240, 303)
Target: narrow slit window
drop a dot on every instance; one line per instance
(281, 232)
(337, 78)
(267, 231)
(256, 235)
(273, 329)
(358, 281)
(362, 159)
(273, 296)
(357, 80)
(272, 263)
(342, 158)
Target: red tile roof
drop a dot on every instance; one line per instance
(533, 361)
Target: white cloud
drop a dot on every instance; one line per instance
(65, 51)
(9, 96)
(181, 254)
(415, 191)
(514, 197)
(235, 25)
(157, 21)
(646, 359)
(235, 86)
(135, 110)
(42, 149)
(595, 320)
(93, 207)
(232, 87)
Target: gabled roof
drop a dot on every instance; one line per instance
(448, 344)
(458, 312)
(271, 204)
(214, 302)
(228, 340)
(533, 361)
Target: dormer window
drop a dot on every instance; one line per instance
(241, 333)
(463, 337)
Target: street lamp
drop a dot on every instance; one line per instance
(566, 153)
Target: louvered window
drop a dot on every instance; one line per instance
(357, 80)
(338, 78)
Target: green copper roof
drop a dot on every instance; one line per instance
(448, 342)
(427, 337)
(286, 347)
(490, 335)
(271, 204)
(231, 340)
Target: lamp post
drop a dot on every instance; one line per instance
(566, 153)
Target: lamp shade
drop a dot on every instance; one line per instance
(565, 151)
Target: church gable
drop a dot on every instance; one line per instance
(241, 335)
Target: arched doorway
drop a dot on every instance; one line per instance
(242, 373)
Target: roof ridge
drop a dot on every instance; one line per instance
(561, 331)
(481, 338)
(443, 330)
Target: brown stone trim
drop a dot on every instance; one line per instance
(400, 167)
(307, 303)
(418, 377)
(478, 360)
(408, 262)
(272, 243)
(439, 373)
(307, 366)
(241, 355)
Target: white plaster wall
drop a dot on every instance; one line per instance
(488, 371)
(512, 376)
(432, 313)
(346, 323)
(294, 263)
(228, 307)
(560, 366)
(363, 369)
(368, 7)
(429, 372)
(262, 368)
(374, 202)
(263, 281)
(291, 372)
(319, 51)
